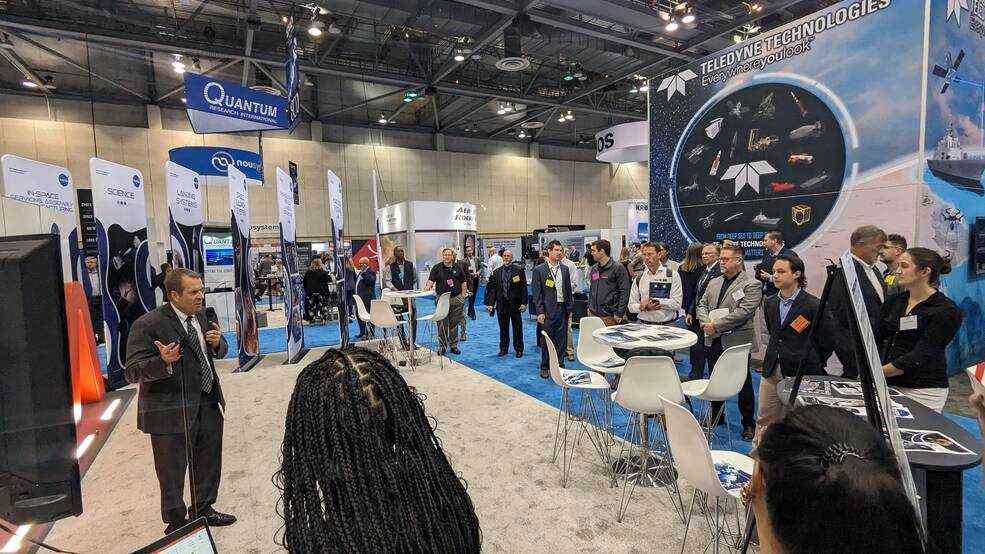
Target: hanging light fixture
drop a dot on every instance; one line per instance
(672, 25)
(501, 110)
(334, 29)
(308, 81)
(383, 120)
(634, 89)
(184, 100)
(688, 18)
(568, 76)
(569, 116)
(177, 65)
(509, 107)
(459, 56)
(561, 119)
(475, 127)
(29, 83)
(645, 87)
(315, 29)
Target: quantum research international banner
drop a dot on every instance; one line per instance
(185, 211)
(49, 186)
(246, 317)
(124, 263)
(337, 211)
(291, 276)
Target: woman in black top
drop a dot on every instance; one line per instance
(316, 290)
(690, 271)
(915, 328)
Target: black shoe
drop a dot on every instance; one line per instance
(463, 339)
(360, 336)
(441, 351)
(174, 526)
(748, 432)
(501, 353)
(219, 519)
(472, 317)
(519, 354)
(544, 373)
(455, 350)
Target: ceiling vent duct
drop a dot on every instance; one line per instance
(513, 59)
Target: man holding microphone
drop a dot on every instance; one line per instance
(170, 353)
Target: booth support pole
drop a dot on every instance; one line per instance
(376, 218)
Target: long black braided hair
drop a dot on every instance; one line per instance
(361, 467)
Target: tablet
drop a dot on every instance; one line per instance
(193, 538)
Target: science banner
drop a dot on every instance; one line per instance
(49, 186)
(337, 211)
(291, 275)
(216, 106)
(185, 211)
(246, 315)
(124, 256)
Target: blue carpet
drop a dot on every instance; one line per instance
(522, 374)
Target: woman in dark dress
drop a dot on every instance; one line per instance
(915, 328)
(350, 288)
(690, 272)
(316, 290)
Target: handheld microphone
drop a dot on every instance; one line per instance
(211, 317)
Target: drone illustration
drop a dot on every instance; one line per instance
(737, 109)
(693, 187)
(949, 71)
(952, 216)
(713, 197)
(708, 220)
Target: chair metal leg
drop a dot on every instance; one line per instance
(672, 487)
(624, 500)
(687, 522)
(557, 428)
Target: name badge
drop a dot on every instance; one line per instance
(738, 295)
(549, 283)
(890, 279)
(451, 282)
(401, 276)
(595, 276)
(908, 323)
(800, 323)
(516, 278)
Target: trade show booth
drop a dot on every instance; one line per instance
(423, 229)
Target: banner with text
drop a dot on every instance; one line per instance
(246, 316)
(291, 274)
(337, 211)
(124, 256)
(49, 186)
(215, 161)
(216, 106)
(185, 211)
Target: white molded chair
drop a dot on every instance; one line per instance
(568, 413)
(590, 352)
(727, 378)
(362, 313)
(440, 314)
(696, 464)
(382, 316)
(645, 380)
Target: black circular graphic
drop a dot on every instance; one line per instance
(764, 158)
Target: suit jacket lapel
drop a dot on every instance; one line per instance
(794, 310)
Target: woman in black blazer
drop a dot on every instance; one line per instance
(915, 328)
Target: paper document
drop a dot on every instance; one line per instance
(614, 361)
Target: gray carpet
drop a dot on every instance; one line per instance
(497, 438)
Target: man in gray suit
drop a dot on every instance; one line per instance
(170, 352)
(739, 293)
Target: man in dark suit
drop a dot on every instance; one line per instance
(772, 247)
(92, 286)
(366, 290)
(403, 277)
(865, 244)
(169, 353)
(789, 316)
(698, 353)
(506, 293)
(551, 284)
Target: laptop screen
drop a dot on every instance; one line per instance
(193, 538)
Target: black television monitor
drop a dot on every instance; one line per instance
(39, 471)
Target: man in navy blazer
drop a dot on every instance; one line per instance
(551, 286)
(506, 294)
(773, 247)
(366, 290)
(403, 277)
(698, 353)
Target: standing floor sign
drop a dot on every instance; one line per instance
(337, 211)
(185, 211)
(49, 186)
(291, 276)
(246, 316)
(124, 265)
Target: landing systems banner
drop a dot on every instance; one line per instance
(337, 211)
(216, 106)
(49, 186)
(185, 214)
(246, 316)
(124, 266)
(292, 277)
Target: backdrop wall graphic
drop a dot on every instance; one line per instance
(246, 316)
(291, 280)
(124, 263)
(185, 217)
(49, 186)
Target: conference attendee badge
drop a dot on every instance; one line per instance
(908, 323)
(890, 279)
(595, 276)
(549, 283)
(800, 324)
(451, 282)
(738, 295)
(516, 278)
(401, 275)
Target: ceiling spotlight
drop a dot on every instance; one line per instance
(568, 76)
(412, 93)
(509, 107)
(753, 7)
(644, 87)
(578, 75)
(315, 29)
(561, 119)
(477, 56)
(383, 120)
(29, 83)
(501, 110)
(475, 127)
(184, 100)
(177, 65)
(196, 65)
(523, 134)
(283, 18)
(688, 18)
(459, 56)
(334, 29)
(672, 25)
(583, 78)
(569, 116)
(737, 38)
(408, 99)
(308, 81)
(634, 89)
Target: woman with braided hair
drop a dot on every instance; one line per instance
(361, 467)
(826, 482)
